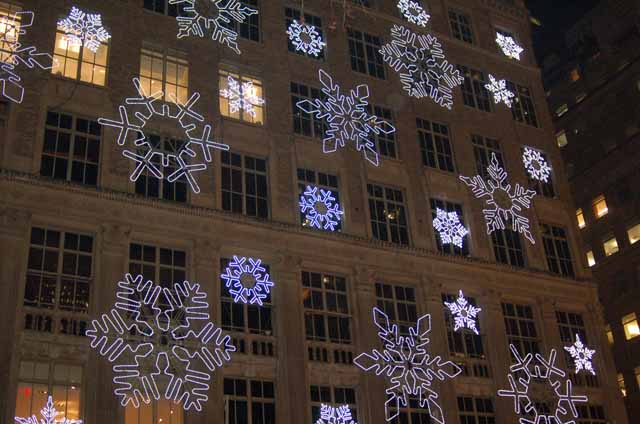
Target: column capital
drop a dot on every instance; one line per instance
(115, 238)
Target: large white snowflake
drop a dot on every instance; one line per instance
(501, 94)
(581, 355)
(406, 362)
(184, 158)
(241, 96)
(305, 38)
(536, 165)
(504, 203)
(414, 12)
(421, 64)
(199, 16)
(321, 209)
(49, 414)
(348, 118)
(529, 378)
(464, 313)
(84, 29)
(247, 280)
(161, 343)
(333, 415)
(509, 46)
(449, 227)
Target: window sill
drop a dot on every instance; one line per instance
(77, 81)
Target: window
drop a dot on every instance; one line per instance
(256, 91)
(337, 396)
(521, 328)
(388, 214)
(483, 149)
(611, 247)
(158, 411)
(244, 185)
(450, 248)
(163, 7)
(293, 14)
(363, 3)
(476, 410)
(600, 208)
(621, 385)
(474, 93)
(399, 303)
(385, 143)
(364, 50)
(161, 265)
(39, 380)
(166, 72)
(10, 33)
(557, 251)
(326, 302)
(574, 75)
(412, 414)
(435, 145)
(591, 260)
(523, 109)
(571, 325)
(461, 26)
(250, 28)
(307, 177)
(591, 414)
(304, 123)
(580, 218)
(561, 139)
(149, 185)
(630, 324)
(507, 247)
(542, 188)
(634, 234)
(249, 401)
(79, 63)
(71, 148)
(609, 333)
(462, 344)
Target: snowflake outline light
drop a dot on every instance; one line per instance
(536, 165)
(504, 202)
(298, 32)
(49, 414)
(241, 96)
(464, 313)
(335, 415)
(407, 364)
(414, 12)
(320, 208)
(450, 228)
(239, 289)
(582, 356)
(500, 92)
(509, 46)
(84, 29)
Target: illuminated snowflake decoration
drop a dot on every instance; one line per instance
(582, 356)
(161, 343)
(84, 29)
(535, 164)
(509, 46)
(347, 117)
(21, 56)
(200, 16)
(305, 38)
(48, 414)
(188, 157)
(414, 12)
(247, 280)
(449, 227)
(498, 89)
(241, 96)
(321, 209)
(464, 313)
(421, 64)
(527, 380)
(405, 361)
(504, 202)
(332, 415)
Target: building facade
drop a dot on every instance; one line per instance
(73, 222)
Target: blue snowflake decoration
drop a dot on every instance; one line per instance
(321, 209)
(247, 280)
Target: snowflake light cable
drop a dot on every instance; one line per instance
(582, 356)
(241, 96)
(405, 361)
(533, 374)
(247, 280)
(509, 46)
(305, 38)
(449, 227)
(504, 202)
(49, 416)
(536, 165)
(500, 92)
(332, 415)
(414, 12)
(160, 342)
(321, 209)
(84, 29)
(464, 313)
(422, 66)
(347, 117)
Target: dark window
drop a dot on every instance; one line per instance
(483, 149)
(162, 265)
(474, 92)
(388, 214)
(337, 396)
(364, 3)
(571, 326)
(542, 188)
(449, 248)
(556, 248)
(523, 109)
(591, 414)
(326, 302)
(385, 143)
(308, 177)
(435, 145)
(461, 26)
(476, 410)
(163, 7)
(304, 123)
(521, 328)
(365, 55)
(413, 413)
(399, 303)
(507, 247)
(244, 185)
(249, 401)
(250, 28)
(462, 343)
(149, 185)
(294, 14)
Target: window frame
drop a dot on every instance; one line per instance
(629, 319)
(156, 413)
(474, 93)
(600, 199)
(242, 168)
(314, 20)
(466, 15)
(504, 250)
(389, 140)
(483, 149)
(523, 343)
(168, 57)
(391, 230)
(410, 307)
(430, 137)
(157, 264)
(449, 206)
(80, 61)
(317, 127)
(260, 120)
(527, 114)
(332, 399)
(249, 399)
(373, 66)
(556, 262)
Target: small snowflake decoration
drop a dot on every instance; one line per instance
(504, 203)
(414, 12)
(347, 117)
(464, 313)
(536, 165)
(509, 46)
(449, 227)
(500, 92)
(531, 373)
(305, 38)
(321, 209)
(241, 96)
(49, 414)
(84, 29)
(161, 343)
(332, 415)
(405, 361)
(582, 356)
(422, 66)
(199, 16)
(247, 280)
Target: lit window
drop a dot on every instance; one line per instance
(580, 217)
(591, 260)
(623, 388)
(611, 246)
(166, 73)
(241, 114)
(161, 411)
(10, 33)
(561, 138)
(609, 333)
(630, 324)
(634, 234)
(562, 110)
(574, 75)
(600, 208)
(79, 63)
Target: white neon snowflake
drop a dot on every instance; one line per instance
(582, 356)
(422, 66)
(414, 12)
(509, 46)
(407, 364)
(449, 227)
(147, 153)
(504, 204)
(49, 414)
(241, 96)
(14, 26)
(500, 92)
(332, 415)
(161, 343)
(464, 313)
(528, 377)
(536, 165)
(247, 280)
(199, 16)
(84, 29)
(321, 209)
(305, 38)
(348, 118)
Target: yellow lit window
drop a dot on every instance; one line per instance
(161, 411)
(630, 324)
(609, 333)
(80, 63)
(580, 218)
(225, 107)
(611, 246)
(561, 139)
(591, 260)
(600, 208)
(9, 32)
(164, 72)
(634, 234)
(623, 388)
(574, 75)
